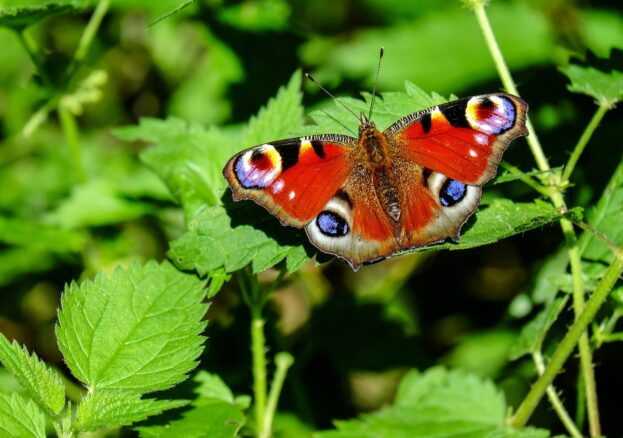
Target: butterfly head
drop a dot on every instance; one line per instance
(365, 124)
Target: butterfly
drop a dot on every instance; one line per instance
(363, 199)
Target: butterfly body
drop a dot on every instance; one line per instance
(363, 199)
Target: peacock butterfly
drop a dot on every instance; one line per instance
(364, 199)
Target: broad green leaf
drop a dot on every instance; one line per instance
(234, 235)
(15, 262)
(186, 156)
(206, 418)
(544, 289)
(116, 407)
(502, 219)
(217, 278)
(427, 53)
(96, 203)
(606, 218)
(43, 384)
(22, 232)
(257, 15)
(434, 403)
(212, 386)
(137, 329)
(484, 354)
(513, 176)
(20, 418)
(598, 78)
(20, 17)
(533, 334)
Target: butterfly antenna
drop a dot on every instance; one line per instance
(310, 77)
(376, 80)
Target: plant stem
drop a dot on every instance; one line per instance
(567, 345)
(258, 350)
(557, 198)
(602, 109)
(70, 129)
(537, 357)
(507, 79)
(283, 362)
(87, 38)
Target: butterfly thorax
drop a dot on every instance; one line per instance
(375, 147)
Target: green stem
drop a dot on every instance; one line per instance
(558, 201)
(283, 361)
(507, 79)
(567, 345)
(555, 400)
(258, 350)
(87, 38)
(602, 109)
(70, 129)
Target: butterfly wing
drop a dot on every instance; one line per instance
(444, 155)
(293, 179)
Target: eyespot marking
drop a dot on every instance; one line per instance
(331, 224)
(491, 114)
(452, 192)
(258, 167)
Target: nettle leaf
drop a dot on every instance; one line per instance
(96, 203)
(117, 407)
(14, 231)
(435, 403)
(43, 384)
(234, 235)
(607, 218)
(20, 17)
(188, 157)
(502, 219)
(216, 413)
(509, 176)
(533, 334)
(598, 77)
(137, 329)
(20, 418)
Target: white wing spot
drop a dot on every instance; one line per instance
(473, 153)
(278, 186)
(482, 139)
(291, 195)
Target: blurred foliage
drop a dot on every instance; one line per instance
(111, 155)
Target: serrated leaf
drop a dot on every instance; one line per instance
(20, 418)
(598, 78)
(282, 115)
(115, 407)
(234, 235)
(22, 232)
(43, 384)
(137, 329)
(21, 17)
(212, 386)
(513, 176)
(606, 218)
(502, 219)
(96, 203)
(434, 403)
(532, 335)
(207, 418)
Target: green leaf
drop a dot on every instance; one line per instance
(21, 17)
(22, 232)
(137, 329)
(96, 203)
(598, 78)
(484, 353)
(115, 407)
(212, 386)
(502, 219)
(207, 418)
(513, 176)
(43, 384)
(234, 235)
(434, 403)
(20, 418)
(257, 15)
(606, 218)
(15, 262)
(465, 62)
(533, 334)
(187, 157)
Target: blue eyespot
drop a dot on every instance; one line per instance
(332, 225)
(452, 192)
